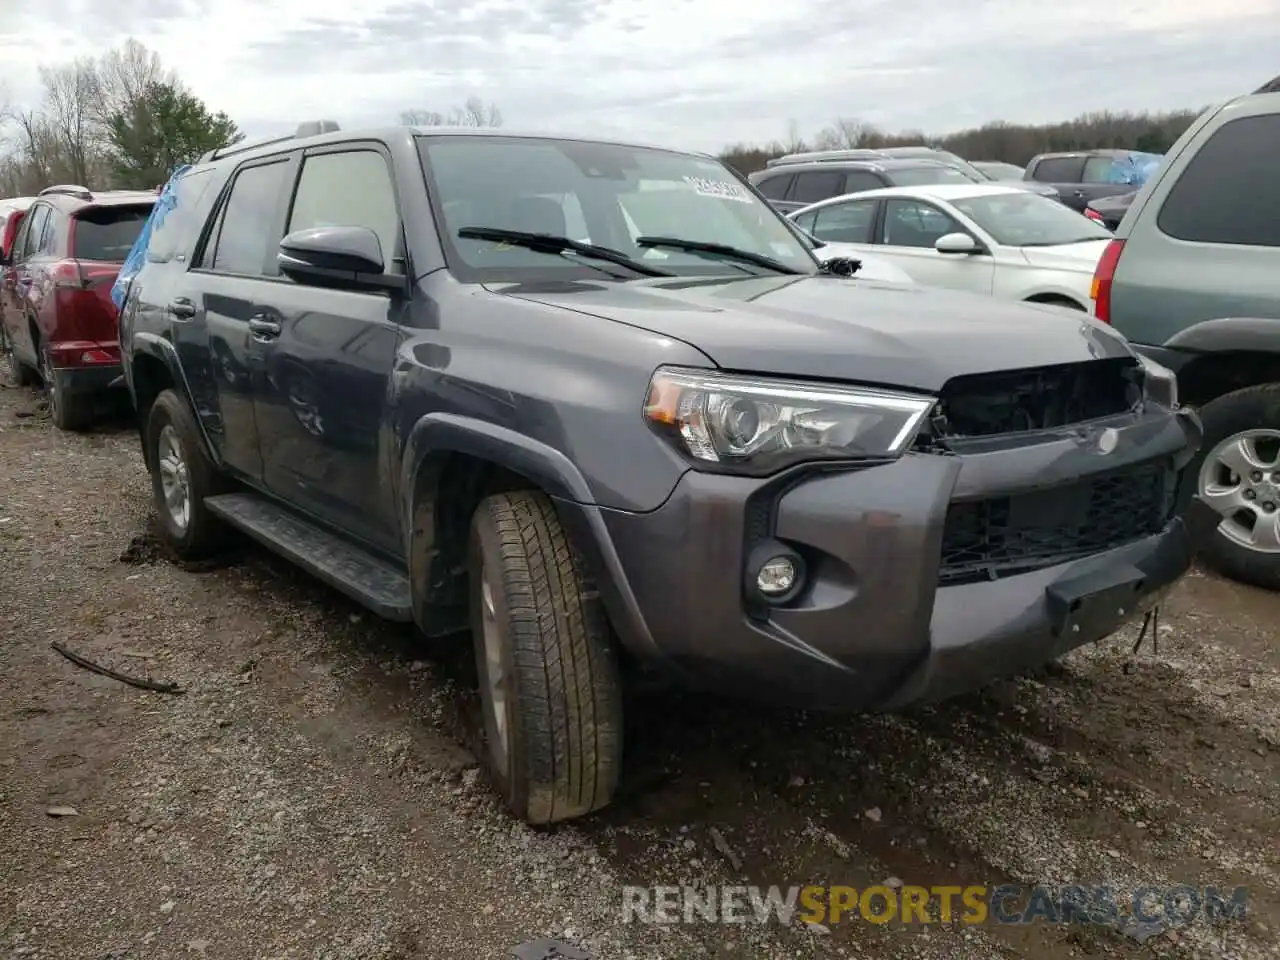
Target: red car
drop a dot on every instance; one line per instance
(57, 321)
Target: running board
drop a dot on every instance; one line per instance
(363, 577)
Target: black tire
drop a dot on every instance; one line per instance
(22, 374)
(203, 534)
(559, 670)
(73, 412)
(1248, 409)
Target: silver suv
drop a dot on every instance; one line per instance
(1193, 280)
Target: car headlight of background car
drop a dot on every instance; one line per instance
(1159, 383)
(756, 426)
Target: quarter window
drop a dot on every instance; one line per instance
(35, 225)
(1229, 192)
(774, 188)
(349, 189)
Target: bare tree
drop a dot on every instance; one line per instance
(474, 113)
(124, 75)
(70, 106)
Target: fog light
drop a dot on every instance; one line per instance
(777, 576)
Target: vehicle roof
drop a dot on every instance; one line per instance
(938, 191)
(285, 142)
(70, 202)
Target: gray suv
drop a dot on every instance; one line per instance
(599, 404)
(1193, 278)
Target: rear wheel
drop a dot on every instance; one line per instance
(1237, 473)
(22, 374)
(182, 475)
(68, 411)
(549, 684)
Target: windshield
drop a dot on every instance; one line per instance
(107, 233)
(598, 193)
(1021, 219)
(928, 176)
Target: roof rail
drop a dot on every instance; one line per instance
(68, 189)
(810, 156)
(312, 128)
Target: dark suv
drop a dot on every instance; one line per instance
(57, 321)
(793, 186)
(600, 403)
(1080, 176)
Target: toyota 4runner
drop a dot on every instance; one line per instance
(601, 405)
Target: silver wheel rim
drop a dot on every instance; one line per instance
(1240, 481)
(494, 675)
(50, 383)
(175, 481)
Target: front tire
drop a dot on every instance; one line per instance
(23, 375)
(1236, 521)
(550, 689)
(182, 476)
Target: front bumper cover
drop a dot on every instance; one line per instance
(875, 630)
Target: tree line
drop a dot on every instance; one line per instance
(125, 121)
(1011, 142)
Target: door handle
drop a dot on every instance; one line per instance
(182, 308)
(262, 329)
(1080, 194)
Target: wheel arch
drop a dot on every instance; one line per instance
(152, 368)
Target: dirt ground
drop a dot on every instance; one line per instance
(313, 793)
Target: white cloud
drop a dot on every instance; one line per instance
(699, 73)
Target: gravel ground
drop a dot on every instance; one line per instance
(313, 794)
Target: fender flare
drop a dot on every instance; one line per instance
(157, 347)
(558, 477)
(1235, 334)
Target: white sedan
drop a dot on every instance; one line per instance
(993, 240)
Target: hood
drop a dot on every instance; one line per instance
(1078, 257)
(873, 267)
(831, 328)
(1030, 186)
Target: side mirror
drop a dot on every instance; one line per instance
(956, 243)
(336, 256)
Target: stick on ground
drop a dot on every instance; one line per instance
(139, 682)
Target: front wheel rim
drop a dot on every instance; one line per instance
(1240, 481)
(175, 478)
(495, 676)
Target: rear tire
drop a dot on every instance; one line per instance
(73, 412)
(182, 475)
(550, 689)
(1219, 531)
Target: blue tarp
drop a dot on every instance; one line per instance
(138, 253)
(1135, 168)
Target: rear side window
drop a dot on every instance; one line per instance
(845, 222)
(818, 185)
(859, 180)
(246, 235)
(1229, 192)
(348, 189)
(107, 233)
(774, 188)
(1059, 170)
(35, 223)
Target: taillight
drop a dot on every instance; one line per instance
(1093, 215)
(1103, 277)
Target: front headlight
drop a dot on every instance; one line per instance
(1159, 383)
(757, 425)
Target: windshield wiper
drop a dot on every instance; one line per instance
(717, 250)
(550, 243)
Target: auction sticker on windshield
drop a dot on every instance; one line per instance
(706, 187)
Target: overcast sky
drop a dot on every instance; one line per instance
(696, 73)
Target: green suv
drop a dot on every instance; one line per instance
(1193, 280)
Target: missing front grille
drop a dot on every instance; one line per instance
(1039, 398)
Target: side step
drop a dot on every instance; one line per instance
(361, 576)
